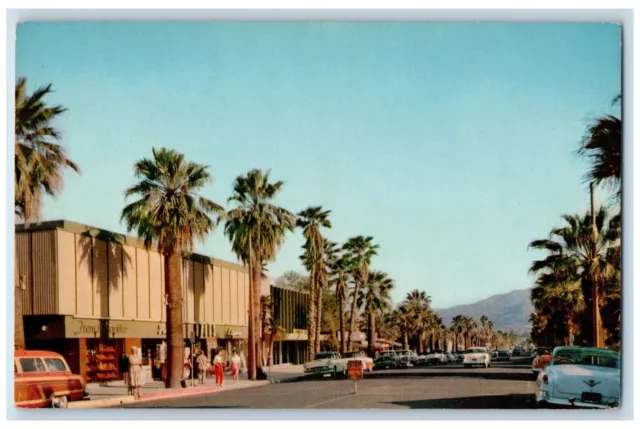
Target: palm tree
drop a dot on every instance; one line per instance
(457, 327)
(402, 317)
(469, 325)
(419, 304)
(256, 228)
(341, 266)
(311, 220)
(602, 144)
(375, 298)
(39, 161)
(360, 250)
(570, 257)
(170, 212)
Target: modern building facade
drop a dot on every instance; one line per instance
(290, 311)
(91, 294)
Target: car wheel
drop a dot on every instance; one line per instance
(59, 402)
(335, 372)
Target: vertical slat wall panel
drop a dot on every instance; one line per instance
(23, 270)
(44, 272)
(66, 271)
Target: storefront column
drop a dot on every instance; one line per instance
(280, 354)
(82, 357)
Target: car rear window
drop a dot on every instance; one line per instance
(31, 365)
(54, 364)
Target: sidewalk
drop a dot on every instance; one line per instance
(115, 393)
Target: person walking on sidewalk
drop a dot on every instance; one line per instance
(134, 372)
(218, 364)
(236, 361)
(203, 364)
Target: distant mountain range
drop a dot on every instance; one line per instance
(508, 311)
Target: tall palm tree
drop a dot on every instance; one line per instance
(375, 298)
(341, 266)
(256, 228)
(419, 304)
(602, 144)
(360, 249)
(570, 257)
(311, 220)
(169, 211)
(39, 160)
(402, 317)
(457, 327)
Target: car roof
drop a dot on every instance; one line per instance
(586, 350)
(36, 353)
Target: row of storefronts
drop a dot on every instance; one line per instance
(91, 295)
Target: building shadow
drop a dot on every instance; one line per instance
(451, 372)
(498, 402)
(103, 250)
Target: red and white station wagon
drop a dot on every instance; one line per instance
(43, 379)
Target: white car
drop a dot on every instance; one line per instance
(580, 377)
(477, 356)
(367, 362)
(436, 357)
(326, 363)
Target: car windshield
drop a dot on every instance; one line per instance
(319, 356)
(581, 358)
(54, 364)
(476, 351)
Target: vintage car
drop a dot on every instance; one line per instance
(367, 362)
(436, 357)
(542, 360)
(327, 363)
(387, 360)
(407, 357)
(494, 355)
(43, 379)
(477, 356)
(580, 378)
(504, 355)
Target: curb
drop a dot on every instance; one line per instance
(123, 400)
(288, 379)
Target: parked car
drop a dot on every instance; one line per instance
(459, 357)
(386, 360)
(580, 377)
(450, 358)
(367, 362)
(436, 357)
(494, 355)
(43, 379)
(542, 360)
(477, 356)
(324, 363)
(407, 356)
(503, 355)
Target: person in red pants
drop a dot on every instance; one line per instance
(218, 365)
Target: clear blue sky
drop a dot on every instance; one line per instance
(451, 144)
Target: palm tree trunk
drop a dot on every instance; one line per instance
(352, 315)
(18, 336)
(256, 277)
(342, 327)
(318, 317)
(372, 334)
(420, 343)
(406, 340)
(311, 317)
(175, 330)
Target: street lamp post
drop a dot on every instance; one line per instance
(595, 310)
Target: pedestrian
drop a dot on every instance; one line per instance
(218, 364)
(203, 364)
(134, 372)
(236, 361)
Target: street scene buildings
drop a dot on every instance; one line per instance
(380, 215)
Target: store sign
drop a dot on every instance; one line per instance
(105, 328)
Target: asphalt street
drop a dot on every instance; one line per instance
(452, 387)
